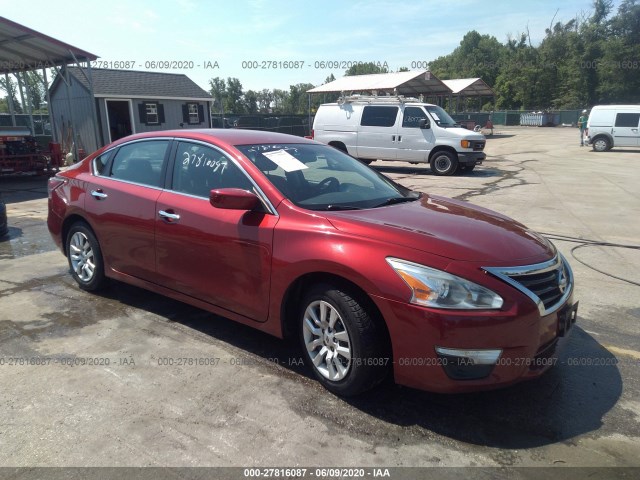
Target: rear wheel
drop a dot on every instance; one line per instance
(342, 342)
(601, 144)
(85, 257)
(444, 163)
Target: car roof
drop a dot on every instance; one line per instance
(230, 136)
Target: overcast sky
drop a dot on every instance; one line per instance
(238, 38)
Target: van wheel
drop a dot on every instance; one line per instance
(444, 163)
(366, 161)
(601, 144)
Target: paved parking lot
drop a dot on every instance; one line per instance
(112, 388)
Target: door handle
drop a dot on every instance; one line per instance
(393, 138)
(98, 194)
(168, 216)
(399, 138)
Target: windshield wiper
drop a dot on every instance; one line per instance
(342, 207)
(394, 200)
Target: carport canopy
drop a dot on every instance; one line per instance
(411, 83)
(469, 87)
(23, 49)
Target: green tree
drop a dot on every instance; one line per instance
(233, 102)
(250, 99)
(265, 99)
(280, 100)
(218, 91)
(11, 90)
(366, 69)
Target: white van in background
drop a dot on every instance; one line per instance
(613, 126)
(397, 128)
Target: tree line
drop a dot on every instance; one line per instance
(591, 59)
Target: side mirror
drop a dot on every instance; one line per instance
(233, 199)
(424, 124)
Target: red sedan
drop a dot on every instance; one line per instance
(296, 238)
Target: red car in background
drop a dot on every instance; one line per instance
(293, 237)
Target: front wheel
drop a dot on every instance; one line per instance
(85, 258)
(444, 163)
(601, 144)
(342, 342)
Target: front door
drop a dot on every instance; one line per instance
(220, 256)
(414, 143)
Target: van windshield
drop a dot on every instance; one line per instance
(441, 117)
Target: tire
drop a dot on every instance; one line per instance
(85, 258)
(601, 144)
(366, 161)
(341, 341)
(444, 163)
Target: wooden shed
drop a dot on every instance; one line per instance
(124, 102)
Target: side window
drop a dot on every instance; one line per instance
(99, 163)
(141, 162)
(198, 169)
(412, 117)
(627, 120)
(379, 116)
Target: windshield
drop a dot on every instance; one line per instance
(441, 117)
(319, 177)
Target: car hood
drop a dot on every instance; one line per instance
(448, 228)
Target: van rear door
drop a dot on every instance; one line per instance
(377, 132)
(625, 130)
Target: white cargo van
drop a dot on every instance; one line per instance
(397, 128)
(613, 126)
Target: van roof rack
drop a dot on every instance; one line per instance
(358, 98)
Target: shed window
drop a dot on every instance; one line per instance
(192, 113)
(151, 113)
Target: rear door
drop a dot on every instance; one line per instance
(377, 132)
(414, 143)
(625, 129)
(220, 256)
(121, 204)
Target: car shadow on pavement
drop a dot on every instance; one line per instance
(15, 188)
(569, 400)
(415, 170)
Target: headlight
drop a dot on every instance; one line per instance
(438, 289)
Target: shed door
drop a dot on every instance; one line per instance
(119, 118)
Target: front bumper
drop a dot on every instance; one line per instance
(471, 158)
(528, 344)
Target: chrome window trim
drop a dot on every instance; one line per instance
(556, 263)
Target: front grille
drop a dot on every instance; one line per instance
(548, 284)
